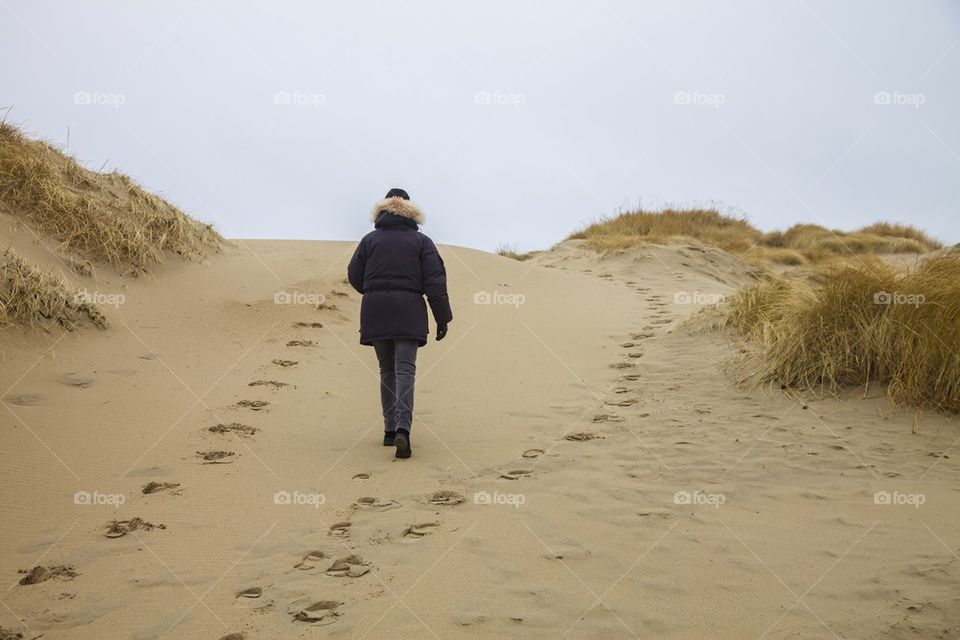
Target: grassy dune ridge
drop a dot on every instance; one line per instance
(850, 319)
(96, 218)
(800, 244)
(104, 217)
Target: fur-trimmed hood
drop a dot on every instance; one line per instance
(400, 207)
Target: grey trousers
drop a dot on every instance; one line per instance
(398, 370)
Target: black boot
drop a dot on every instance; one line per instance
(388, 437)
(402, 442)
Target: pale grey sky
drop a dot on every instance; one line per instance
(507, 121)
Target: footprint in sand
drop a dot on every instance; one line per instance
(417, 531)
(26, 399)
(120, 528)
(362, 476)
(41, 574)
(622, 365)
(308, 325)
(310, 560)
(255, 405)
(628, 345)
(301, 343)
(661, 321)
(280, 362)
(74, 379)
(233, 427)
(533, 453)
(274, 384)
(631, 377)
(340, 530)
(216, 457)
(635, 354)
(582, 436)
(642, 336)
(321, 612)
(622, 403)
(375, 504)
(352, 566)
(606, 417)
(446, 497)
(252, 592)
(157, 487)
(516, 474)
(230, 636)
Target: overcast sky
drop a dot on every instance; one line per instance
(508, 122)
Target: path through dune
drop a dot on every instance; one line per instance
(583, 467)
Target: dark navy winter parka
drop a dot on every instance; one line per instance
(394, 267)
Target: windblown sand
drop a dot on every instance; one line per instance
(583, 467)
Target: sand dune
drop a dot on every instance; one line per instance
(583, 466)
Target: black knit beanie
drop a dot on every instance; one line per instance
(397, 193)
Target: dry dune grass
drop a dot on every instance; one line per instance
(507, 251)
(29, 296)
(100, 216)
(858, 324)
(707, 225)
(799, 245)
(816, 242)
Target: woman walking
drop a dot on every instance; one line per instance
(394, 266)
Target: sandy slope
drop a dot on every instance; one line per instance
(588, 542)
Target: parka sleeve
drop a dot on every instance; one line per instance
(435, 282)
(357, 266)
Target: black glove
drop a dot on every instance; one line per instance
(441, 331)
